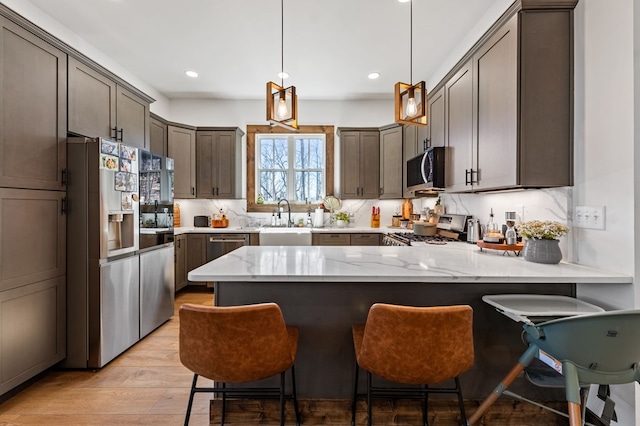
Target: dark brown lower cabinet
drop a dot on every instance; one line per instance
(32, 283)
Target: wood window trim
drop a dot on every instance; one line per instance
(252, 131)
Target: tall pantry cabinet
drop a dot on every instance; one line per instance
(33, 130)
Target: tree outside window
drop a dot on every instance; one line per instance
(296, 165)
(290, 166)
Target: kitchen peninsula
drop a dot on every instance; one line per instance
(324, 290)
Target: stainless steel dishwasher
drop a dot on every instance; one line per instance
(221, 244)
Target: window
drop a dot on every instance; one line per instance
(290, 166)
(297, 166)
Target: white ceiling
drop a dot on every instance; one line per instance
(235, 45)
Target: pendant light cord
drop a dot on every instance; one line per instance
(411, 42)
(282, 43)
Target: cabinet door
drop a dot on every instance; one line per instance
(196, 253)
(181, 261)
(32, 330)
(32, 237)
(132, 118)
(157, 137)
(391, 161)
(436, 119)
(182, 148)
(350, 164)
(459, 94)
(365, 239)
(205, 157)
(339, 239)
(33, 103)
(92, 102)
(369, 164)
(224, 172)
(496, 81)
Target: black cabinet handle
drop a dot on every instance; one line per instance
(121, 135)
(193, 190)
(63, 206)
(115, 133)
(213, 191)
(467, 180)
(63, 177)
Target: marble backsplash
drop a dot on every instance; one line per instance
(543, 204)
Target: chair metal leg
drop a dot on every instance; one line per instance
(282, 399)
(295, 395)
(191, 395)
(425, 407)
(463, 414)
(368, 398)
(224, 405)
(355, 395)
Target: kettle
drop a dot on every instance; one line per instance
(474, 231)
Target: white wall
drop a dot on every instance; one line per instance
(46, 22)
(605, 157)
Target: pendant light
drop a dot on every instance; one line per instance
(411, 99)
(282, 103)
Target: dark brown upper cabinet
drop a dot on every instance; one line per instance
(33, 102)
(99, 107)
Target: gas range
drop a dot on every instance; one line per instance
(410, 239)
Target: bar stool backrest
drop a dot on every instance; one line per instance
(234, 344)
(417, 345)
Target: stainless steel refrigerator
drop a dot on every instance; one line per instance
(157, 278)
(103, 223)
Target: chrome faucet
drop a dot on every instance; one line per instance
(289, 223)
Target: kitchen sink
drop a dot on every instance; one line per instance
(285, 236)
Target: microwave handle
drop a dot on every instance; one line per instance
(424, 158)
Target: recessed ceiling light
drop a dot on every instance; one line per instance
(283, 74)
(191, 74)
(373, 75)
(404, 1)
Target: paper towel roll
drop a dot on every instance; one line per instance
(318, 219)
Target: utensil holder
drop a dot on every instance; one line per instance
(375, 221)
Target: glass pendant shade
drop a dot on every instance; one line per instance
(411, 104)
(282, 106)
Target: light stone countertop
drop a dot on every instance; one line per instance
(237, 229)
(451, 263)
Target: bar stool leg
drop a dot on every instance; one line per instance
(355, 396)
(368, 398)
(224, 404)
(295, 395)
(282, 399)
(425, 406)
(191, 395)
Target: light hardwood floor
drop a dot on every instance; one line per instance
(147, 385)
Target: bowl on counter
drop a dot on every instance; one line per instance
(424, 228)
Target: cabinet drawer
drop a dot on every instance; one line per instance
(331, 240)
(365, 239)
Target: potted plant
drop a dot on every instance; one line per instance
(541, 245)
(342, 218)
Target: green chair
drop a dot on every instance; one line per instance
(601, 348)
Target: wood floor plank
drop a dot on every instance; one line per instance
(147, 385)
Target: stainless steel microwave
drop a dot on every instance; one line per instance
(425, 172)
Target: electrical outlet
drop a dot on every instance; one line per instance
(591, 217)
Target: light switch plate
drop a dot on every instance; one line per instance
(590, 217)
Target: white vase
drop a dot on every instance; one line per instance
(341, 223)
(542, 251)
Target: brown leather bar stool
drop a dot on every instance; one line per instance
(238, 344)
(417, 346)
